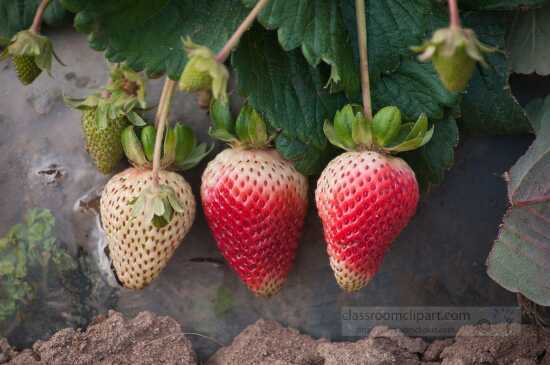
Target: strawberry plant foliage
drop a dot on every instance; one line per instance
(499, 4)
(527, 43)
(289, 93)
(325, 39)
(519, 260)
(147, 34)
(499, 113)
(393, 26)
(289, 71)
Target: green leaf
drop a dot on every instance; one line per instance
(488, 106)
(520, 258)
(343, 127)
(136, 119)
(361, 130)
(527, 44)
(498, 4)
(251, 128)
(27, 252)
(288, 93)
(413, 143)
(195, 157)
(318, 28)
(393, 26)
(306, 158)
(17, 15)
(147, 137)
(185, 142)
(132, 146)
(330, 133)
(419, 127)
(147, 34)
(220, 113)
(529, 178)
(432, 161)
(169, 147)
(414, 88)
(386, 124)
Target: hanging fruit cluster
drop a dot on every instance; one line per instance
(254, 200)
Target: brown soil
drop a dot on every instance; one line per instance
(267, 342)
(113, 339)
(149, 339)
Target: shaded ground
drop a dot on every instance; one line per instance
(149, 339)
(437, 261)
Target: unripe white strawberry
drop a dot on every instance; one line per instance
(146, 219)
(139, 249)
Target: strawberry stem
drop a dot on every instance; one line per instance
(360, 13)
(161, 121)
(453, 11)
(159, 107)
(37, 21)
(221, 57)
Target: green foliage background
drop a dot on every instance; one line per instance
(301, 64)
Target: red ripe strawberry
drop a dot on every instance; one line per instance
(255, 203)
(365, 198)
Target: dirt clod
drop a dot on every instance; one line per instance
(383, 346)
(114, 339)
(267, 342)
(501, 344)
(435, 348)
(149, 339)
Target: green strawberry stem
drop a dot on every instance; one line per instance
(453, 11)
(162, 117)
(37, 21)
(245, 25)
(360, 13)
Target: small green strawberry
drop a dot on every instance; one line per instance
(454, 52)
(31, 53)
(203, 72)
(106, 114)
(26, 69)
(103, 144)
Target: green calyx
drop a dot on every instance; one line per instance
(31, 47)
(180, 150)
(454, 52)
(352, 131)
(203, 72)
(124, 96)
(157, 203)
(248, 131)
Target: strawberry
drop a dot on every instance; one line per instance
(103, 144)
(454, 52)
(140, 250)
(255, 202)
(365, 197)
(31, 53)
(26, 69)
(145, 222)
(203, 73)
(106, 114)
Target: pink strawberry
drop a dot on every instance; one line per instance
(255, 202)
(364, 197)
